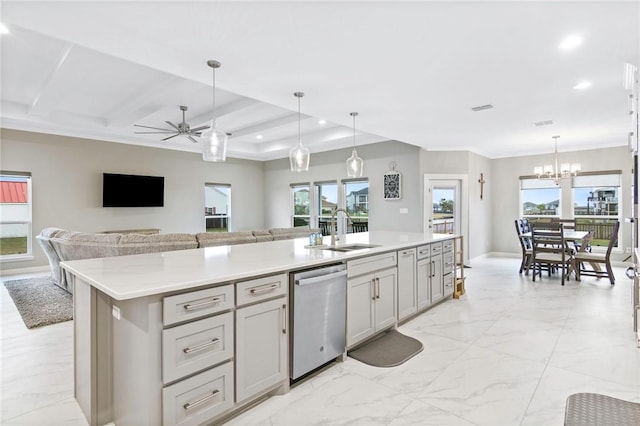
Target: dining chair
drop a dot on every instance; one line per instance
(525, 246)
(549, 248)
(596, 259)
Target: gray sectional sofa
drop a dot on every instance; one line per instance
(62, 245)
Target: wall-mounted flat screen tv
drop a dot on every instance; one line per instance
(132, 190)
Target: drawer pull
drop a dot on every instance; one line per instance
(264, 289)
(192, 306)
(200, 346)
(190, 405)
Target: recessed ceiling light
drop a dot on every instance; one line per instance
(570, 42)
(3, 29)
(322, 122)
(582, 85)
(258, 136)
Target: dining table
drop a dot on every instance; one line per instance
(573, 236)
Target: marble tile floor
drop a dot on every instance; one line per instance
(509, 352)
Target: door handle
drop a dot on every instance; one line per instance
(284, 319)
(378, 286)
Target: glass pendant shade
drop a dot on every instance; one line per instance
(355, 165)
(214, 140)
(299, 155)
(299, 158)
(214, 143)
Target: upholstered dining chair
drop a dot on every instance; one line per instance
(549, 248)
(582, 258)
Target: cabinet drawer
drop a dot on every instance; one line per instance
(261, 289)
(447, 261)
(195, 346)
(447, 281)
(197, 304)
(447, 246)
(436, 248)
(424, 251)
(371, 263)
(200, 398)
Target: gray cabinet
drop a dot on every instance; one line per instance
(430, 274)
(371, 296)
(261, 339)
(407, 285)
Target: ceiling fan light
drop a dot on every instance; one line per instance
(355, 165)
(214, 144)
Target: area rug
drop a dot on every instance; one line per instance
(391, 349)
(40, 302)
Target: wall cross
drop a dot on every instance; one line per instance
(481, 181)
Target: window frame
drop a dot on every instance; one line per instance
(529, 183)
(610, 179)
(345, 194)
(28, 222)
(292, 203)
(227, 215)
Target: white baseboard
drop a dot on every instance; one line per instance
(24, 271)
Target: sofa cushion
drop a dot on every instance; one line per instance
(288, 233)
(262, 235)
(154, 243)
(211, 239)
(84, 245)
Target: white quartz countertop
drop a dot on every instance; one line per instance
(129, 277)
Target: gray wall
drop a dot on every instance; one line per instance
(67, 185)
(477, 233)
(505, 191)
(67, 180)
(383, 214)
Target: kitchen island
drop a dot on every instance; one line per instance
(193, 336)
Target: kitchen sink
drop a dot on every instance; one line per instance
(349, 247)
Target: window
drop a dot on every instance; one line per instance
(356, 202)
(300, 201)
(326, 203)
(539, 197)
(217, 207)
(15, 216)
(596, 204)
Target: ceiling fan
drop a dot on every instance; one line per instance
(180, 129)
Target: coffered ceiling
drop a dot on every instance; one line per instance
(413, 70)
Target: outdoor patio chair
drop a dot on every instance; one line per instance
(596, 259)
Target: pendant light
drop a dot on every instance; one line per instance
(214, 140)
(299, 155)
(355, 164)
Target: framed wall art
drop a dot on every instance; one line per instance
(392, 184)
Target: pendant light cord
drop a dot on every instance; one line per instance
(214, 93)
(354, 131)
(298, 119)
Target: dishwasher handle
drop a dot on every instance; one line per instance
(321, 278)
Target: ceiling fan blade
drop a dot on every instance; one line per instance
(156, 128)
(197, 129)
(173, 125)
(192, 139)
(155, 133)
(173, 136)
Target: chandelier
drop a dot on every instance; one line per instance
(548, 171)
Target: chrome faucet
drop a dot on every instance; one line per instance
(333, 224)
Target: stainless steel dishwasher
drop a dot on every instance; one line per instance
(319, 312)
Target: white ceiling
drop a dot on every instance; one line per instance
(413, 70)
